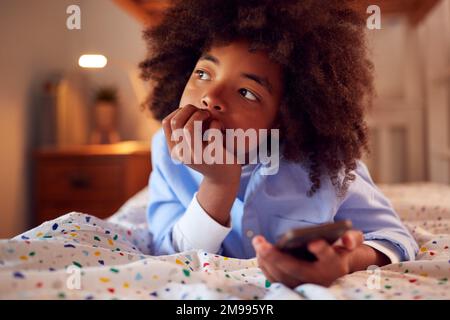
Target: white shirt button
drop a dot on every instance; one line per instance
(250, 233)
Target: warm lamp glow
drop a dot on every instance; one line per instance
(92, 61)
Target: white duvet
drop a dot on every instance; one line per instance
(78, 256)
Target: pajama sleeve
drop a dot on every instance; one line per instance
(372, 213)
(197, 230)
(163, 211)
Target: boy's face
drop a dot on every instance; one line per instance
(241, 89)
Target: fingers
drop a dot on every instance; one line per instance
(215, 124)
(190, 130)
(168, 129)
(352, 239)
(272, 276)
(277, 266)
(199, 115)
(275, 274)
(331, 264)
(266, 272)
(182, 118)
(259, 243)
(179, 120)
(167, 119)
(321, 249)
(256, 241)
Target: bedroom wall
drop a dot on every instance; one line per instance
(35, 44)
(118, 36)
(411, 115)
(404, 107)
(434, 43)
(397, 105)
(32, 46)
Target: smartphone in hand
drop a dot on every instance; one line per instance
(295, 241)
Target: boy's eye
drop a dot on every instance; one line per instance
(202, 75)
(248, 94)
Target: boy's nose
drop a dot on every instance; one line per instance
(212, 104)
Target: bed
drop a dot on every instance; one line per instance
(78, 256)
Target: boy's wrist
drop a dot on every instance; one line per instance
(217, 198)
(226, 178)
(218, 182)
(364, 256)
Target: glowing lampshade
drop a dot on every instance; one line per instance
(92, 61)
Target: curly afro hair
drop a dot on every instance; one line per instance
(321, 47)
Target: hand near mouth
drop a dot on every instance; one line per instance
(220, 183)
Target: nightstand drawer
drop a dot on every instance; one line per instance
(93, 181)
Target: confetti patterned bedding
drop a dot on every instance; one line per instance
(78, 256)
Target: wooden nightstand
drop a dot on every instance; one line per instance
(94, 179)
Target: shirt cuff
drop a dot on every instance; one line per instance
(197, 230)
(385, 247)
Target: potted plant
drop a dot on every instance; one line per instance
(105, 116)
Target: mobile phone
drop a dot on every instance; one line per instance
(295, 241)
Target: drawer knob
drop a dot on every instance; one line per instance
(80, 181)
